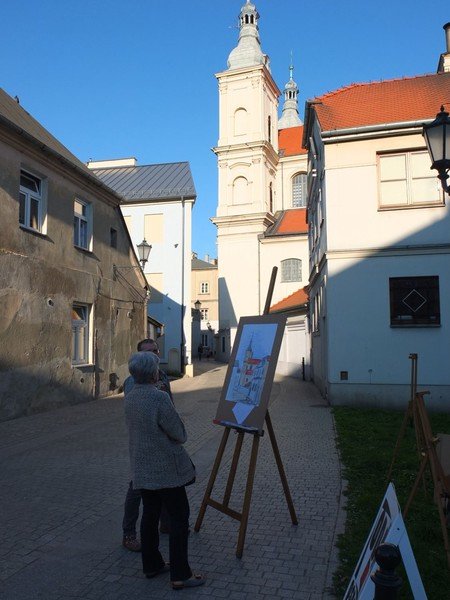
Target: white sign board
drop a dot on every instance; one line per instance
(387, 527)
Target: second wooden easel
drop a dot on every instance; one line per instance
(224, 505)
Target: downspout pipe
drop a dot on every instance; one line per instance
(182, 286)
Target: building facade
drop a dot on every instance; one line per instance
(205, 289)
(72, 294)
(379, 243)
(157, 202)
(261, 214)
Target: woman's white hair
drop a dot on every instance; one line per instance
(144, 367)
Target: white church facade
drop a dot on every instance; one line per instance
(261, 212)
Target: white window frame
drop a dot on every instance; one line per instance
(408, 203)
(204, 287)
(287, 266)
(204, 314)
(78, 219)
(29, 196)
(77, 326)
(299, 185)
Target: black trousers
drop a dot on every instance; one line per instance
(131, 512)
(177, 505)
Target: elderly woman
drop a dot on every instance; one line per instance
(161, 468)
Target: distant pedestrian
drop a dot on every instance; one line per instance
(161, 468)
(133, 497)
(200, 351)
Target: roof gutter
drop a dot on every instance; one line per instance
(374, 128)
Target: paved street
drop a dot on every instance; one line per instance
(64, 475)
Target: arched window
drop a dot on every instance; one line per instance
(270, 197)
(269, 128)
(240, 191)
(291, 270)
(299, 192)
(240, 121)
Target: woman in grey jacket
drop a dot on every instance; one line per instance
(161, 468)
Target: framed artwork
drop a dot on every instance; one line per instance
(248, 382)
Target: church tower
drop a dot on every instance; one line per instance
(247, 154)
(289, 117)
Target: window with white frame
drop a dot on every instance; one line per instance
(204, 314)
(204, 287)
(299, 190)
(405, 179)
(82, 224)
(81, 333)
(291, 270)
(31, 202)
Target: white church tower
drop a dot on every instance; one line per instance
(247, 153)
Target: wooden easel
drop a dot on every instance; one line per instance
(429, 456)
(224, 505)
(409, 417)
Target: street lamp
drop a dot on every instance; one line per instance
(437, 137)
(144, 252)
(197, 304)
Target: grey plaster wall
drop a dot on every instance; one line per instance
(42, 275)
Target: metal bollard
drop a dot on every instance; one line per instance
(387, 583)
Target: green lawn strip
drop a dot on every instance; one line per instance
(366, 439)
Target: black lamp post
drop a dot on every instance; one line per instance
(197, 304)
(144, 252)
(437, 137)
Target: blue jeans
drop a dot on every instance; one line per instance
(131, 513)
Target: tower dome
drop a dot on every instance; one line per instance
(248, 52)
(289, 117)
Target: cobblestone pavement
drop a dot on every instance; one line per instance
(64, 475)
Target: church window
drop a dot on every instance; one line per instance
(240, 122)
(291, 270)
(269, 128)
(299, 190)
(270, 197)
(240, 191)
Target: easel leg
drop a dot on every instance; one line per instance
(234, 464)
(280, 466)
(212, 479)
(248, 497)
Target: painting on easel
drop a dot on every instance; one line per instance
(246, 391)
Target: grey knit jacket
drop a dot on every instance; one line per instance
(158, 459)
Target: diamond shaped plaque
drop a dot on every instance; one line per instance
(414, 300)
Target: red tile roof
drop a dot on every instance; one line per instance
(295, 300)
(393, 101)
(289, 222)
(290, 141)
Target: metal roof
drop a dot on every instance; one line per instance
(198, 264)
(150, 182)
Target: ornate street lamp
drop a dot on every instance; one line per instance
(197, 304)
(144, 252)
(437, 137)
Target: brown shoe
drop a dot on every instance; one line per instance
(131, 543)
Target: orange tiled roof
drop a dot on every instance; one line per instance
(290, 141)
(392, 101)
(297, 299)
(289, 222)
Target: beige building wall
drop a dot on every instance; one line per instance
(43, 275)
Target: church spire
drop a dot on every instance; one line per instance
(248, 52)
(289, 117)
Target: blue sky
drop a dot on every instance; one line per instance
(112, 79)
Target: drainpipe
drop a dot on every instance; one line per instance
(182, 288)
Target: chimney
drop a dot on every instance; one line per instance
(444, 61)
(207, 258)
